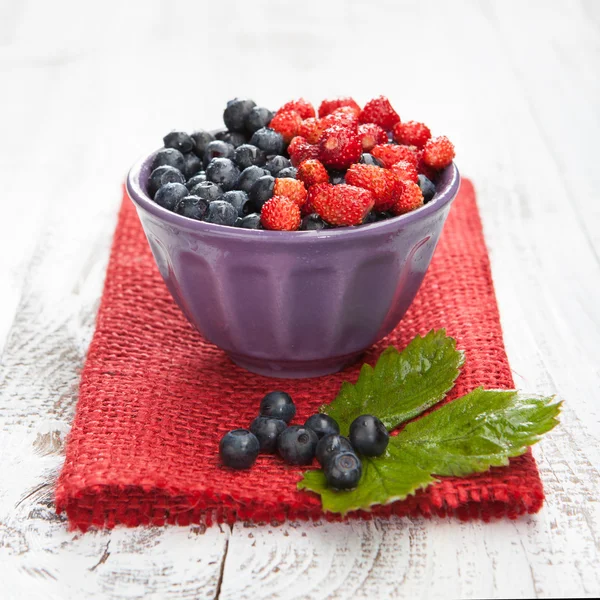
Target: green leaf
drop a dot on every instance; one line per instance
(402, 384)
(469, 435)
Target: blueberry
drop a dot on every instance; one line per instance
(337, 177)
(192, 207)
(267, 431)
(170, 194)
(223, 171)
(288, 172)
(427, 188)
(238, 222)
(235, 138)
(207, 190)
(369, 159)
(221, 213)
(262, 190)
(313, 222)
(238, 449)
(162, 175)
(192, 164)
(247, 155)
(251, 221)
(376, 216)
(249, 176)
(170, 157)
(179, 140)
(277, 405)
(258, 118)
(201, 140)
(199, 177)
(343, 471)
(276, 163)
(368, 435)
(297, 444)
(236, 112)
(322, 424)
(240, 201)
(268, 140)
(330, 445)
(217, 149)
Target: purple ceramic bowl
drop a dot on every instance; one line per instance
(293, 304)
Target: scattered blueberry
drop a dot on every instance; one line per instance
(223, 171)
(251, 221)
(337, 177)
(343, 471)
(238, 222)
(369, 159)
(239, 449)
(179, 140)
(262, 190)
(368, 435)
(427, 188)
(267, 431)
(235, 138)
(247, 155)
(192, 164)
(276, 163)
(268, 140)
(288, 172)
(313, 222)
(162, 175)
(199, 177)
(217, 149)
(236, 112)
(297, 444)
(258, 118)
(240, 201)
(322, 424)
(221, 213)
(170, 194)
(278, 405)
(207, 190)
(170, 157)
(192, 207)
(330, 445)
(201, 140)
(249, 176)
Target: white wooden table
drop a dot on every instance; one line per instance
(87, 87)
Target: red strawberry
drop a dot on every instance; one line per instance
(287, 123)
(300, 150)
(280, 214)
(313, 191)
(438, 152)
(411, 133)
(390, 154)
(343, 204)
(379, 111)
(405, 171)
(312, 172)
(304, 108)
(290, 188)
(312, 130)
(339, 147)
(328, 106)
(383, 184)
(410, 199)
(341, 116)
(370, 135)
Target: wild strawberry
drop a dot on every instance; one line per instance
(313, 191)
(290, 188)
(286, 123)
(423, 169)
(280, 214)
(405, 171)
(339, 147)
(390, 154)
(370, 135)
(379, 111)
(438, 152)
(328, 106)
(304, 108)
(312, 172)
(344, 116)
(343, 204)
(409, 199)
(383, 184)
(411, 133)
(312, 130)
(300, 150)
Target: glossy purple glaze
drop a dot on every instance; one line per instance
(293, 304)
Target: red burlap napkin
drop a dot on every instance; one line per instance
(155, 398)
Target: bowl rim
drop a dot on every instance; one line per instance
(143, 201)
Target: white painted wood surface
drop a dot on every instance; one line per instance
(87, 87)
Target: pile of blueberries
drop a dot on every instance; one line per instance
(319, 437)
